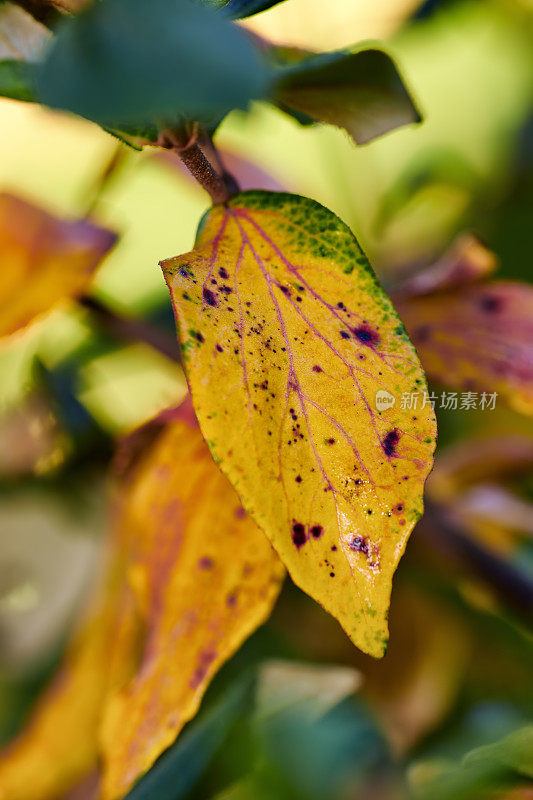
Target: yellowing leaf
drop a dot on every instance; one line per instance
(205, 578)
(479, 337)
(43, 260)
(297, 363)
(59, 746)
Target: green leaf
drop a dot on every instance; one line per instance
(129, 61)
(238, 9)
(357, 89)
(16, 79)
(514, 752)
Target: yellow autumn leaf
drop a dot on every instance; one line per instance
(205, 578)
(477, 337)
(44, 260)
(59, 745)
(297, 364)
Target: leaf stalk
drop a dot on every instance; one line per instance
(218, 183)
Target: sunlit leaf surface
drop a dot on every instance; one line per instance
(297, 363)
(478, 338)
(43, 260)
(205, 577)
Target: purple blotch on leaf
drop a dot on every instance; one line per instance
(299, 537)
(210, 297)
(366, 335)
(491, 303)
(390, 441)
(359, 544)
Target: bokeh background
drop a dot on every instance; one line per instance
(458, 672)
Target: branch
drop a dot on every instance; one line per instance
(219, 185)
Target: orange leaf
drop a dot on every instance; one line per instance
(297, 362)
(44, 260)
(59, 745)
(205, 579)
(478, 337)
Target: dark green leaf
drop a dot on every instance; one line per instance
(129, 61)
(359, 90)
(238, 9)
(16, 79)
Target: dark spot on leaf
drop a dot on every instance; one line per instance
(220, 348)
(359, 544)
(209, 297)
(491, 303)
(366, 335)
(198, 336)
(205, 660)
(317, 531)
(299, 537)
(390, 441)
(316, 368)
(298, 479)
(345, 335)
(223, 273)
(206, 562)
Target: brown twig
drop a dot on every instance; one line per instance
(218, 184)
